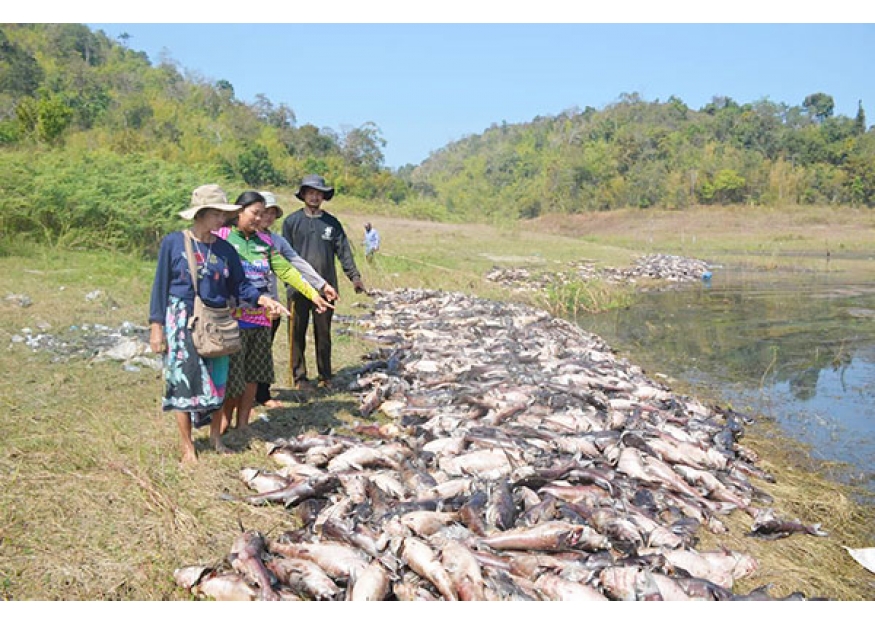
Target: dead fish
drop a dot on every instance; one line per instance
(766, 524)
(629, 583)
(675, 451)
(297, 491)
(464, 570)
(713, 487)
(422, 559)
(483, 463)
(371, 401)
(358, 536)
(371, 583)
(427, 522)
(719, 567)
(555, 588)
(698, 588)
(505, 413)
(225, 587)
(263, 481)
(622, 532)
(321, 455)
(588, 494)
(619, 582)
(500, 508)
(656, 535)
(339, 561)
(188, 576)
(386, 431)
(448, 489)
(473, 513)
(649, 469)
(389, 482)
(549, 536)
(410, 588)
(246, 558)
(361, 456)
(669, 588)
(545, 510)
(503, 586)
(304, 577)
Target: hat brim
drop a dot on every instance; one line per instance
(328, 191)
(189, 213)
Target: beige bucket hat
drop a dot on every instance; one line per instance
(270, 202)
(208, 196)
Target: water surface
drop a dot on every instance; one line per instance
(795, 347)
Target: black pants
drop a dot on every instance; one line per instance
(262, 393)
(302, 309)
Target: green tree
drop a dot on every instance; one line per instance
(54, 117)
(256, 169)
(820, 106)
(20, 74)
(362, 146)
(43, 119)
(727, 187)
(860, 119)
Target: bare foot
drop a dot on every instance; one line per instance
(188, 458)
(273, 403)
(220, 448)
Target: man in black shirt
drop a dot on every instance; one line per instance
(319, 238)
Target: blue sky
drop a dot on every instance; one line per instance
(426, 84)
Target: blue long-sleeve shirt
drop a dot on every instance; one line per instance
(221, 279)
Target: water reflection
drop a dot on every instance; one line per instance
(800, 350)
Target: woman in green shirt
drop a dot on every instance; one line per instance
(254, 363)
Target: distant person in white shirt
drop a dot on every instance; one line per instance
(372, 241)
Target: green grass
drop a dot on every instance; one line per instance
(93, 502)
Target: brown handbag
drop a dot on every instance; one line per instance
(214, 331)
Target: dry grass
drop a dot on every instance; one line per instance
(818, 566)
(94, 505)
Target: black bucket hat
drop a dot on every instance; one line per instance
(315, 181)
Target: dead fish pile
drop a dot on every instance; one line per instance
(524, 461)
(128, 344)
(665, 267)
(522, 279)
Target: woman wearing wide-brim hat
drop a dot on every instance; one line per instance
(195, 386)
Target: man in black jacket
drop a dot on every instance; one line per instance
(319, 238)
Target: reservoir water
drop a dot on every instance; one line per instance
(796, 348)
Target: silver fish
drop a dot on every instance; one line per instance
(304, 577)
(369, 584)
(246, 557)
(423, 560)
(464, 571)
(549, 536)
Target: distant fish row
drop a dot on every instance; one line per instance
(664, 267)
(520, 459)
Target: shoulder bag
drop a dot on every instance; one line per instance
(214, 331)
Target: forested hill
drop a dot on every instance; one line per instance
(64, 85)
(94, 135)
(100, 145)
(635, 153)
